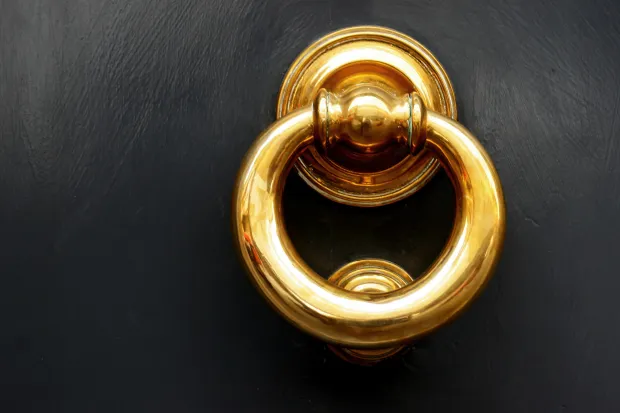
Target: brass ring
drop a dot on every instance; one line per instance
(379, 315)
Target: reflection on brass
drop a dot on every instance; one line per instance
(368, 114)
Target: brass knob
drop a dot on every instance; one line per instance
(367, 113)
(368, 119)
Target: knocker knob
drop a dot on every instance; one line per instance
(368, 114)
(368, 119)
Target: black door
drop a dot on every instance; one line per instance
(123, 124)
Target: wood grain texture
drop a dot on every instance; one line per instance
(120, 289)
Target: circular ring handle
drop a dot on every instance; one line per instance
(362, 319)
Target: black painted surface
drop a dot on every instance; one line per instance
(122, 125)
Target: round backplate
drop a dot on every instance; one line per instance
(372, 276)
(366, 54)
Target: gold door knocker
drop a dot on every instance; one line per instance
(367, 115)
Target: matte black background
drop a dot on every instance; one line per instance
(122, 125)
